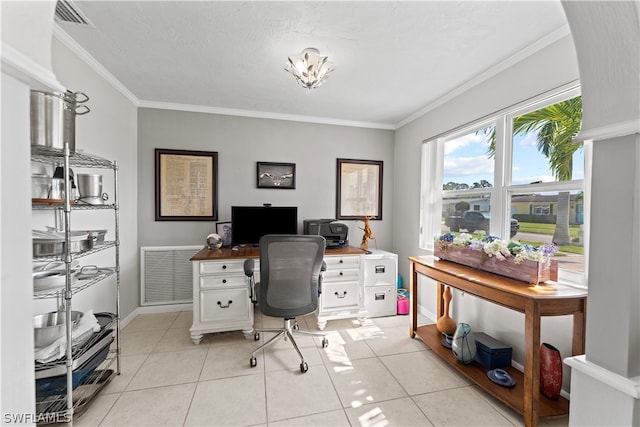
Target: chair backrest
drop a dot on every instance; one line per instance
(289, 274)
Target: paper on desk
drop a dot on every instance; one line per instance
(54, 351)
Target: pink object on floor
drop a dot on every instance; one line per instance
(403, 305)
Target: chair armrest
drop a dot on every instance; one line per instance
(323, 268)
(249, 267)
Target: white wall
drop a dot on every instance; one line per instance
(108, 131)
(26, 27)
(606, 379)
(16, 293)
(26, 40)
(608, 65)
(551, 67)
(240, 143)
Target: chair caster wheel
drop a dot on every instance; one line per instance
(325, 343)
(304, 367)
(256, 336)
(253, 362)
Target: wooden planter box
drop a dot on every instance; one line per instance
(532, 272)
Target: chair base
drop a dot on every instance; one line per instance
(286, 332)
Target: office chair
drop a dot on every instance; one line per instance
(290, 280)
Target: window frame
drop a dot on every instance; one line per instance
(432, 172)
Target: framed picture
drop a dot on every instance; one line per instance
(276, 175)
(186, 185)
(224, 230)
(359, 189)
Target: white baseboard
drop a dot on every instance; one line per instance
(149, 309)
(164, 308)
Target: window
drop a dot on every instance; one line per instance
(518, 174)
(538, 209)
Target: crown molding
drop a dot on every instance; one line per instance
(540, 44)
(25, 69)
(68, 41)
(262, 115)
(85, 56)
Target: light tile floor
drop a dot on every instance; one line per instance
(369, 375)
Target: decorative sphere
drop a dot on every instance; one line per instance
(214, 241)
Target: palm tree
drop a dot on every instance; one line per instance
(556, 126)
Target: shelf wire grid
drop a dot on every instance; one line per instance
(77, 285)
(51, 155)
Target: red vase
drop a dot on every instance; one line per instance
(550, 371)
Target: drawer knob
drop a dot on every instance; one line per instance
(224, 267)
(341, 273)
(224, 280)
(225, 306)
(344, 294)
(341, 261)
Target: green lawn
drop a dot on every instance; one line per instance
(548, 229)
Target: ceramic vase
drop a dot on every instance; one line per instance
(446, 324)
(463, 345)
(550, 371)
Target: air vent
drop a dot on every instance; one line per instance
(66, 11)
(166, 274)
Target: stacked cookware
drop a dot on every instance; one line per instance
(53, 123)
(53, 118)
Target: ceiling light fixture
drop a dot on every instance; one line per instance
(309, 68)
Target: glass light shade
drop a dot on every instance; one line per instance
(309, 68)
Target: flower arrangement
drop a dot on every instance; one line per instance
(501, 249)
(512, 259)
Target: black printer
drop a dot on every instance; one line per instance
(335, 233)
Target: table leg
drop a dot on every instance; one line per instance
(439, 300)
(413, 299)
(531, 363)
(578, 332)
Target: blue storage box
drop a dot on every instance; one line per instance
(491, 353)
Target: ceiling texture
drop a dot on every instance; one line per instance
(392, 60)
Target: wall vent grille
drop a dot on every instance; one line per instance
(166, 274)
(67, 11)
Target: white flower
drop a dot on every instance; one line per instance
(497, 248)
(463, 239)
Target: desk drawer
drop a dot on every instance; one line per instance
(339, 295)
(219, 267)
(380, 300)
(224, 305)
(338, 262)
(379, 271)
(222, 281)
(341, 275)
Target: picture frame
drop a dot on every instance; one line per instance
(223, 229)
(276, 175)
(186, 185)
(359, 189)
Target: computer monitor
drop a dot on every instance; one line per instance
(250, 223)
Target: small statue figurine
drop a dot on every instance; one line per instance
(368, 234)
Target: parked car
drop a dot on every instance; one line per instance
(473, 221)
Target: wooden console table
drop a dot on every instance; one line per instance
(533, 301)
